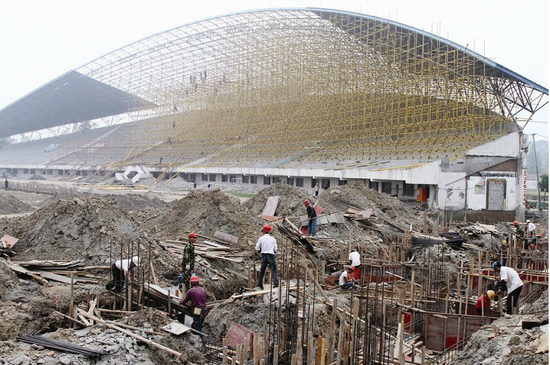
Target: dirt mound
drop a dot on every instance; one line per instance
(291, 204)
(384, 206)
(76, 229)
(206, 212)
(37, 177)
(10, 205)
(133, 202)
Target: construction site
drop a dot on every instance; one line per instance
(414, 304)
(405, 144)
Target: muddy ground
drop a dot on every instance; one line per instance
(99, 228)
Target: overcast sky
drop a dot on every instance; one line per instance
(41, 40)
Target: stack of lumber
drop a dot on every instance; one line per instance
(60, 271)
(359, 215)
(207, 248)
(292, 233)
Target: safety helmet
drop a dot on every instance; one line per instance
(266, 228)
(516, 223)
(528, 221)
(532, 246)
(135, 260)
(504, 242)
(306, 202)
(192, 235)
(539, 234)
(491, 294)
(194, 279)
(495, 265)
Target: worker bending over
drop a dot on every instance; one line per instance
(120, 271)
(483, 304)
(510, 282)
(355, 262)
(197, 296)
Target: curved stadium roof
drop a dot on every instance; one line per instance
(348, 78)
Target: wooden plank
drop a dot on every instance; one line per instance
(271, 205)
(56, 277)
(226, 237)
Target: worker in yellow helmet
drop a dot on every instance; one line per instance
(483, 305)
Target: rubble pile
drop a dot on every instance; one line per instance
(206, 212)
(505, 342)
(76, 229)
(86, 227)
(385, 207)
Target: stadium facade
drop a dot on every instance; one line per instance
(302, 96)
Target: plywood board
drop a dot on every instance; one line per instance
(9, 241)
(271, 205)
(176, 328)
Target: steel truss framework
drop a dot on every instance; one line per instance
(309, 84)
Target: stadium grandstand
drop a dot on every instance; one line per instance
(303, 96)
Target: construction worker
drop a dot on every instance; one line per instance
(530, 228)
(346, 281)
(188, 261)
(519, 233)
(355, 261)
(267, 247)
(509, 282)
(312, 219)
(197, 296)
(483, 304)
(120, 271)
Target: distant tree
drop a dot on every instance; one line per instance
(543, 184)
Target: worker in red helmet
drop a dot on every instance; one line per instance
(197, 296)
(267, 247)
(188, 261)
(312, 219)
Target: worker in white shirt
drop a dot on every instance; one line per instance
(530, 228)
(509, 282)
(121, 270)
(346, 281)
(355, 261)
(267, 247)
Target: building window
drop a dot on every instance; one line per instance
(386, 187)
(212, 177)
(373, 185)
(342, 182)
(313, 182)
(224, 178)
(245, 179)
(276, 179)
(408, 190)
(299, 182)
(290, 181)
(253, 179)
(204, 177)
(267, 180)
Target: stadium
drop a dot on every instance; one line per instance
(303, 96)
